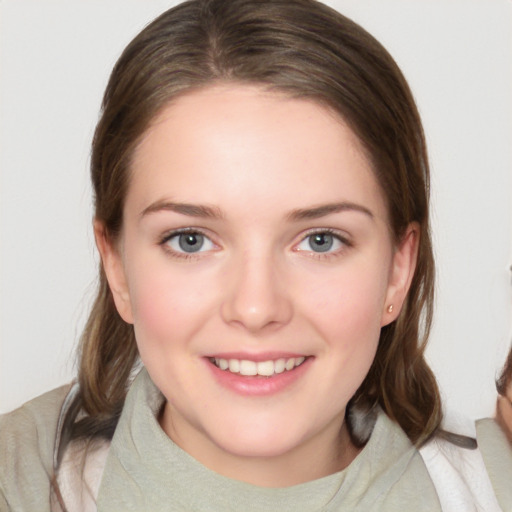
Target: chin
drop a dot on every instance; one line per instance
(259, 442)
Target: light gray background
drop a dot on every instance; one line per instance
(55, 60)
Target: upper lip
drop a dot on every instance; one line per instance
(256, 357)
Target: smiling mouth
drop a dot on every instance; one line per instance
(249, 368)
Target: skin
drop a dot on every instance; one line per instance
(262, 164)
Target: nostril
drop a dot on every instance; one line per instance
(256, 296)
(257, 311)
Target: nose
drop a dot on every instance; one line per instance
(256, 297)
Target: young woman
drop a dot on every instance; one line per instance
(261, 210)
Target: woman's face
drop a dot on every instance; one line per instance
(257, 267)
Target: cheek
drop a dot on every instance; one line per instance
(167, 307)
(352, 299)
(346, 311)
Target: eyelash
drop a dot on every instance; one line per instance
(164, 242)
(346, 243)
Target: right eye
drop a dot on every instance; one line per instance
(188, 242)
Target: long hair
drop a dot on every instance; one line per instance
(504, 381)
(306, 50)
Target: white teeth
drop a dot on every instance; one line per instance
(263, 368)
(248, 367)
(280, 365)
(266, 368)
(290, 364)
(234, 365)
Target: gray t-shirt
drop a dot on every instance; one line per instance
(142, 469)
(145, 470)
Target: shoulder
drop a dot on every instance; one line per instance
(27, 440)
(461, 478)
(497, 455)
(389, 473)
(33, 425)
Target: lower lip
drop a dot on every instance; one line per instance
(258, 385)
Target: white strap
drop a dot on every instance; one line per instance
(459, 474)
(80, 470)
(80, 475)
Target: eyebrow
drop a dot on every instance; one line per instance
(212, 212)
(327, 209)
(192, 210)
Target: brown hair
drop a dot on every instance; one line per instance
(505, 378)
(306, 50)
(504, 388)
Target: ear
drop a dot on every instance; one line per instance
(114, 270)
(401, 273)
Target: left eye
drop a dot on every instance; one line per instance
(320, 242)
(189, 242)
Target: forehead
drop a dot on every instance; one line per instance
(245, 140)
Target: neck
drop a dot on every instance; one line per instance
(326, 453)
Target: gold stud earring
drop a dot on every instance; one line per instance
(390, 308)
